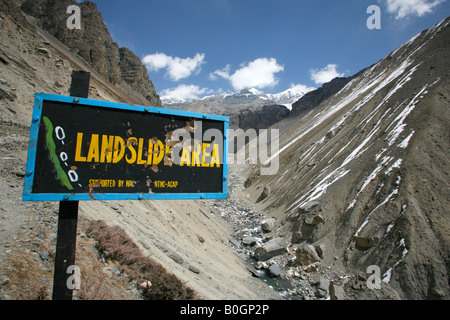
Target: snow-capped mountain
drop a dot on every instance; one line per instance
(290, 96)
(245, 98)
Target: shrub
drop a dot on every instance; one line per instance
(114, 244)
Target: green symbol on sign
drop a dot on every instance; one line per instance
(60, 174)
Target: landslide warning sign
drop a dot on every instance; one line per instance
(84, 149)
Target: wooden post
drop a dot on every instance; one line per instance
(65, 248)
(68, 215)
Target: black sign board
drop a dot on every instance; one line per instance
(84, 149)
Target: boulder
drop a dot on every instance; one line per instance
(44, 51)
(309, 207)
(176, 257)
(275, 271)
(44, 256)
(330, 134)
(314, 220)
(194, 269)
(268, 225)
(264, 194)
(297, 237)
(58, 84)
(306, 254)
(336, 291)
(3, 280)
(320, 249)
(249, 241)
(270, 249)
(323, 288)
(364, 243)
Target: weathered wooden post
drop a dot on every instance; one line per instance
(68, 215)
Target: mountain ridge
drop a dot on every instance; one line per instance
(372, 162)
(245, 98)
(94, 44)
(313, 98)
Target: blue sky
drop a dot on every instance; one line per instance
(194, 48)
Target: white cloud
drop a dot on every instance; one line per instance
(224, 73)
(177, 68)
(185, 92)
(326, 74)
(259, 74)
(404, 8)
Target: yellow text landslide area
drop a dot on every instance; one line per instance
(140, 151)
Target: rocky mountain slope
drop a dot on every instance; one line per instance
(313, 98)
(365, 175)
(94, 44)
(256, 117)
